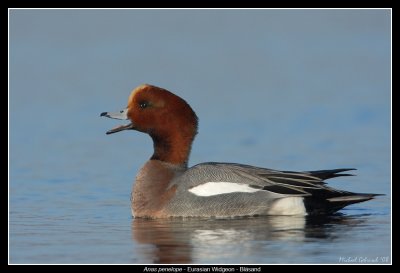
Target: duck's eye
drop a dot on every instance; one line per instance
(143, 104)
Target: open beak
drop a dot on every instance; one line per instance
(119, 115)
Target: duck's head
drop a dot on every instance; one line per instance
(167, 118)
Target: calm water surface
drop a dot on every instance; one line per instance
(290, 90)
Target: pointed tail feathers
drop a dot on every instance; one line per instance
(326, 174)
(352, 199)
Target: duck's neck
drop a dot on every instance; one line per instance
(174, 149)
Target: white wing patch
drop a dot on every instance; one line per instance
(215, 188)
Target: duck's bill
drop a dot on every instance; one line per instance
(122, 115)
(120, 128)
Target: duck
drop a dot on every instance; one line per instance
(166, 187)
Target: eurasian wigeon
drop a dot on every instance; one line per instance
(166, 187)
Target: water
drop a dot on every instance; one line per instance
(291, 90)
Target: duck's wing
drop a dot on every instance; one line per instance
(214, 178)
(245, 177)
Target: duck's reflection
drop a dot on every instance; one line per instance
(193, 240)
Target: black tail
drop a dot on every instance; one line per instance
(316, 205)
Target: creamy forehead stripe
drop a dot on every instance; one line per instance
(215, 188)
(134, 91)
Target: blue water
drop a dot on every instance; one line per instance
(283, 89)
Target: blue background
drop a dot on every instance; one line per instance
(284, 89)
